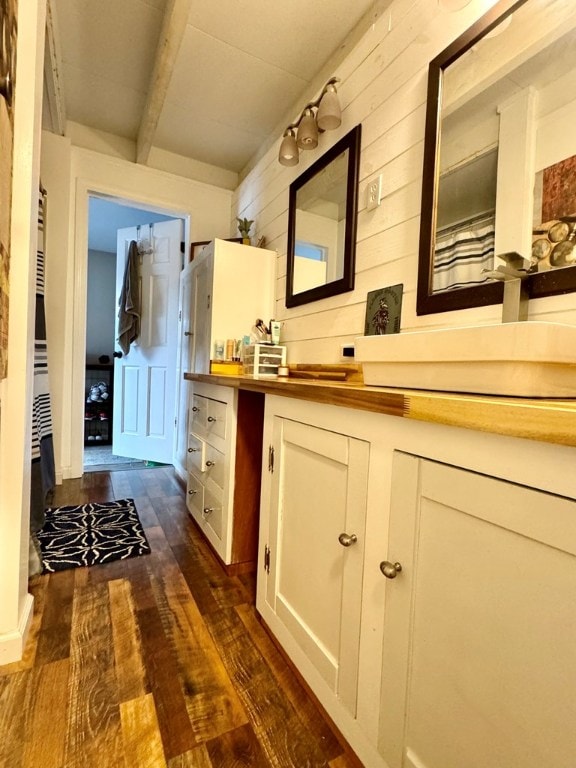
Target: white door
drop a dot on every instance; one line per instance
(319, 488)
(145, 378)
(201, 312)
(184, 341)
(480, 624)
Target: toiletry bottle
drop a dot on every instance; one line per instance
(275, 331)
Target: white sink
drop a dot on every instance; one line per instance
(527, 359)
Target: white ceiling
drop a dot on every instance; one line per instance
(207, 80)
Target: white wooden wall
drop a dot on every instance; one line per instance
(383, 86)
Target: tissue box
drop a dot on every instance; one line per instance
(263, 359)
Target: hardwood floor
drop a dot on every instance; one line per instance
(155, 661)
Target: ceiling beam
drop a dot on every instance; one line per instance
(171, 36)
(53, 86)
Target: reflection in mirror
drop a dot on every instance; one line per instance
(499, 156)
(322, 225)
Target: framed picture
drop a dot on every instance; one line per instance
(383, 310)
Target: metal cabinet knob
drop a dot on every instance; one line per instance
(207, 510)
(390, 570)
(210, 463)
(192, 492)
(347, 539)
(192, 450)
(195, 408)
(211, 418)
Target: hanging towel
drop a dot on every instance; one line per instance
(129, 302)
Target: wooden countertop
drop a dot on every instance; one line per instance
(551, 421)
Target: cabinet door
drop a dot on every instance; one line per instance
(479, 658)
(201, 311)
(319, 489)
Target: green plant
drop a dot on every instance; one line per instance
(244, 226)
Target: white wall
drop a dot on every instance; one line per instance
(70, 175)
(16, 389)
(383, 87)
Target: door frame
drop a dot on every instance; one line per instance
(84, 190)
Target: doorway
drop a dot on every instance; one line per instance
(106, 216)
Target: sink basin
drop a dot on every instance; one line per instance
(527, 359)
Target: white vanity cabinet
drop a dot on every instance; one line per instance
(479, 658)
(223, 470)
(444, 636)
(231, 286)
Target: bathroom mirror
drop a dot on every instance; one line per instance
(322, 225)
(500, 157)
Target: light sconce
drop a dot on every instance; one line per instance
(321, 115)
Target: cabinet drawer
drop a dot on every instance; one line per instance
(198, 413)
(196, 453)
(214, 467)
(194, 495)
(208, 417)
(212, 512)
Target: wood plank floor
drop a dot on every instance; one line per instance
(155, 661)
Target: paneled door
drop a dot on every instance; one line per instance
(145, 378)
(479, 661)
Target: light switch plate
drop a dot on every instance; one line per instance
(374, 193)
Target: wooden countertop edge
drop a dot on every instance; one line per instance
(552, 421)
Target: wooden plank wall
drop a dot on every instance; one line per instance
(383, 86)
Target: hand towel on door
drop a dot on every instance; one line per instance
(129, 302)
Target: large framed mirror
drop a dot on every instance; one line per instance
(322, 216)
(500, 157)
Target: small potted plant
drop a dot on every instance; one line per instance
(244, 229)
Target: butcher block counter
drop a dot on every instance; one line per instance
(552, 421)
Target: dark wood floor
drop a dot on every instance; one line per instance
(155, 661)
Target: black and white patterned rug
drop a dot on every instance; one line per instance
(90, 534)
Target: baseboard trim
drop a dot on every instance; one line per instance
(12, 643)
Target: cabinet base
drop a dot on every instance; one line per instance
(231, 569)
(351, 756)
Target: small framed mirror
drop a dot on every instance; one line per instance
(322, 215)
(500, 157)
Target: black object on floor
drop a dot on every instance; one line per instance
(90, 534)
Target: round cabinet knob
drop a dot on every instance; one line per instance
(195, 408)
(390, 570)
(347, 539)
(211, 419)
(210, 463)
(192, 450)
(207, 510)
(192, 492)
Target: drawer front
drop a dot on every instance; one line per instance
(194, 495)
(198, 413)
(214, 467)
(212, 513)
(216, 419)
(196, 455)
(208, 417)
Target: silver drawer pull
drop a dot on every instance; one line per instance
(347, 540)
(192, 492)
(193, 450)
(195, 408)
(211, 419)
(210, 463)
(390, 570)
(207, 510)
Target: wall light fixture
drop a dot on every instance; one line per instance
(321, 115)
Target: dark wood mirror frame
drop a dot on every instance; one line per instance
(350, 142)
(550, 283)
